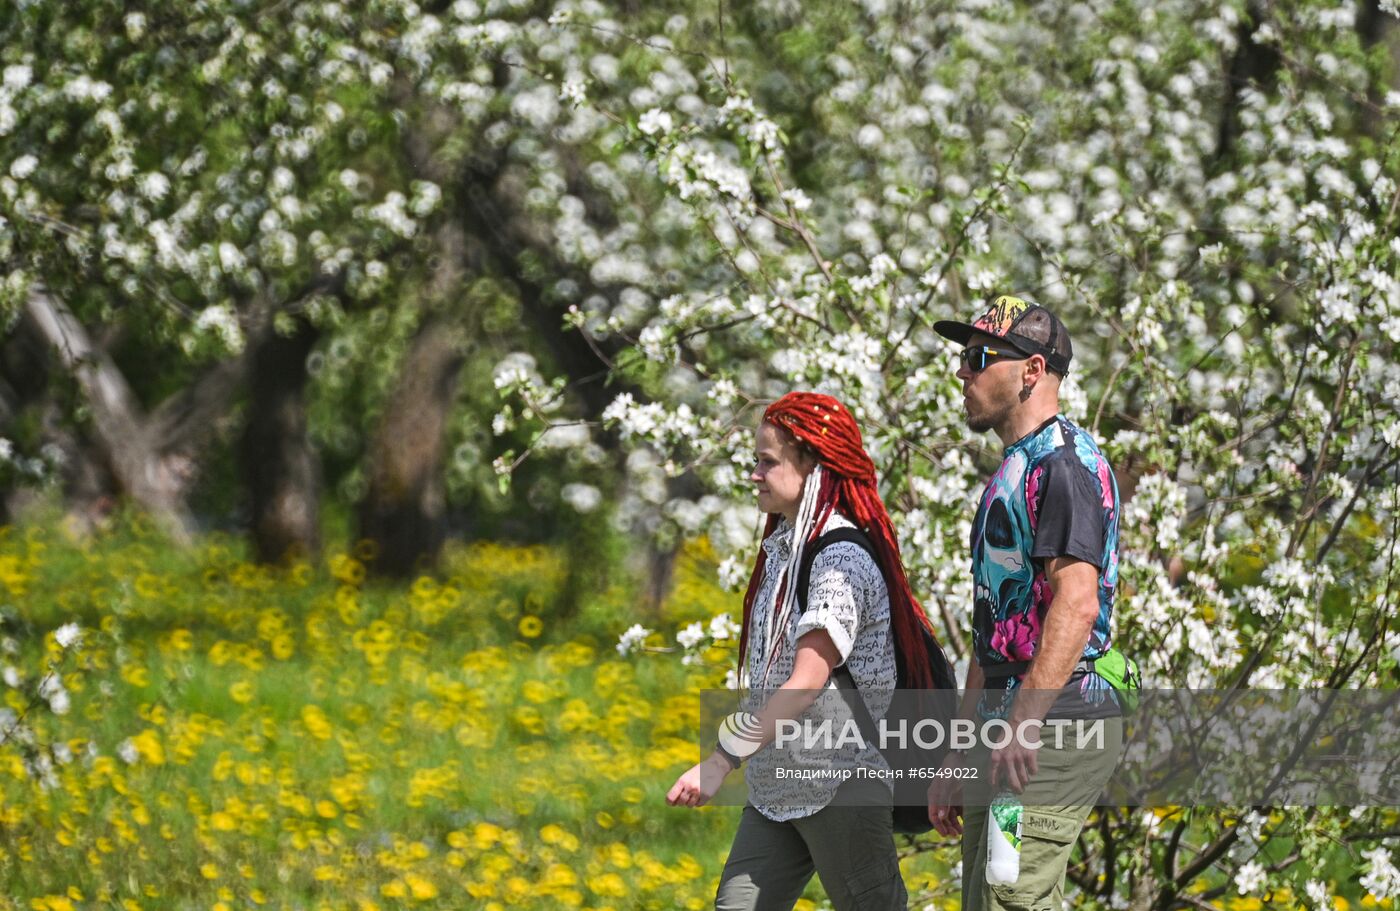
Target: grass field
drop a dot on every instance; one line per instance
(237, 737)
(186, 730)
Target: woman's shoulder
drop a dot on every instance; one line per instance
(845, 556)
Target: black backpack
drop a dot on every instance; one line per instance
(939, 704)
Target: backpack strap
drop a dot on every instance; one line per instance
(844, 681)
(835, 536)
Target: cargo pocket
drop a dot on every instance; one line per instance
(1047, 838)
(1056, 828)
(877, 887)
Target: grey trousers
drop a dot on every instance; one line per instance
(851, 847)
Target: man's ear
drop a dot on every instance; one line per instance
(1035, 369)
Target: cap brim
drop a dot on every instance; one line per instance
(954, 330)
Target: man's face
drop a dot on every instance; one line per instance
(990, 394)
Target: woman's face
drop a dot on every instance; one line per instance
(780, 467)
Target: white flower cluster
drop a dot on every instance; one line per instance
(677, 428)
(1381, 878)
(752, 124)
(703, 174)
(221, 323)
(697, 637)
(52, 690)
(392, 214)
(632, 640)
(1155, 513)
(582, 498)
(656, 122)
(574, 91)
(1250, 877)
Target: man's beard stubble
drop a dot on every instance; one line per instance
(987, 420)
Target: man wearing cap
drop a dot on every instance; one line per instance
(1045, 565)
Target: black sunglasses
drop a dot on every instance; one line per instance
(978, 357)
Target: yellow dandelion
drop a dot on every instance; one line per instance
(531, 626)
(149, 747)
(209, 871)
(317, 724)
(283, 646)
(241, 692)
(420, 887)
(609, 885)
(537, 691)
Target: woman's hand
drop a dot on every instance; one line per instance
(701, 782)
(945, 799)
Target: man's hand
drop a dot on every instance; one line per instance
(945, 799)
(701, 782)
(1014, 765)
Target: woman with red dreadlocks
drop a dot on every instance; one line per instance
(813, 476)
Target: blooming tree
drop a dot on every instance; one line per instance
(1207, 195)
(706, 210)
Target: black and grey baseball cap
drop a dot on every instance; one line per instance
(1024, 325)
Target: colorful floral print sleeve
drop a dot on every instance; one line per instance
(1053, 496)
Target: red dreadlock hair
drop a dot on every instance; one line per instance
(825, 427)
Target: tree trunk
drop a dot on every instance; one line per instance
(145, 474)
(1375, 26)
(281, 468)
(405, 507)
(1253, 64)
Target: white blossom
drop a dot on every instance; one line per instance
(723, 628)
(691, 636)
(23, 166)
(1381, 878)
(584, 498)
(153, 185)
(799, 200)
(632, 639)
(68, 635)
(574, 91)
(1250, 877)
(655, 121)
(220, 321)
(18, 76)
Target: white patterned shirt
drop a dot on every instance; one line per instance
(847, 597)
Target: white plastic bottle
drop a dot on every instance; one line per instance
(1004, 839)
